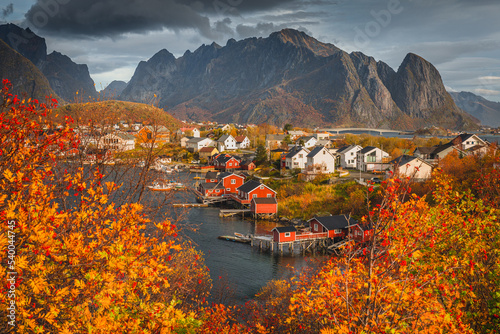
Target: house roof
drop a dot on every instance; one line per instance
(251, 185)
(244, 174)
(296, 133)
(223, 158)
(125, 136)
(159, 128)
(316, 150)
(335, 222)
(223, 138)
(247, 162)
(240, 139)
(211, 175)
(208, 185)
(226, 174)
(345, 149)
(265, 200)
(207, 149)
(323, 142)
(306, 139)
(441, 148)
(284, 229)
(403, 160)
(295, 150)
(425, 150)
(197, 139)
(367, 149)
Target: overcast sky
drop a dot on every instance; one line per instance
(460, 37)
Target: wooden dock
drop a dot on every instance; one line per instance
(233, 212)
(190, 205)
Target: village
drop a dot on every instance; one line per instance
(230, 171)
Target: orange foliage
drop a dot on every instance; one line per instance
(91, 267)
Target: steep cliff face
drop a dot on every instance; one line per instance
(291, 77)
(25, 42)
(488, 112)
(26, 78)
(67, 78)
(64, 76)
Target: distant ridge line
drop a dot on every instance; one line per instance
(381, 131)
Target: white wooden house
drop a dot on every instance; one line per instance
(466, 141)
(348, 155)
(372, 158)
(117, 141)
(320, 160)
(242, 142)
(226, 143)
(413, 167)
(296, 158)
(196, 144)
(307, 142)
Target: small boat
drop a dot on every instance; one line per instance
(235, 239)
(160, 186)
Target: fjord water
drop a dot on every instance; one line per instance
(246, 269)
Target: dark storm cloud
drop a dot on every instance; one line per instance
(8, 10)
(96, 18)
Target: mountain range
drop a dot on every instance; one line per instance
(64, 76)
(288, 77)
(488, 112)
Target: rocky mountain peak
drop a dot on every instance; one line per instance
(25, 42)
(162, 56)
(301, 40)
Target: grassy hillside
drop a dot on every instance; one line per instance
(112, 112)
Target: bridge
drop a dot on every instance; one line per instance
(380, 131)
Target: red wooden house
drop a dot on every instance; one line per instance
(252, 189)
(264, 205)
(231, 182)
(284, 234)
(335, 226)
(226, 162)
(211, 189)
(360, 233)
(248, 165)
(220, 184)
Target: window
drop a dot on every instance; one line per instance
(230, 164)
(254, 196)
(218, 190)
(262, 187)
(352, 153)
(269, 195)
(287, 234)
(324, 152)
(337, 231)
(301, 156)
(233, 181)
(228, 189)
(316, 227)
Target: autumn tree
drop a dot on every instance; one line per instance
(93, 266)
